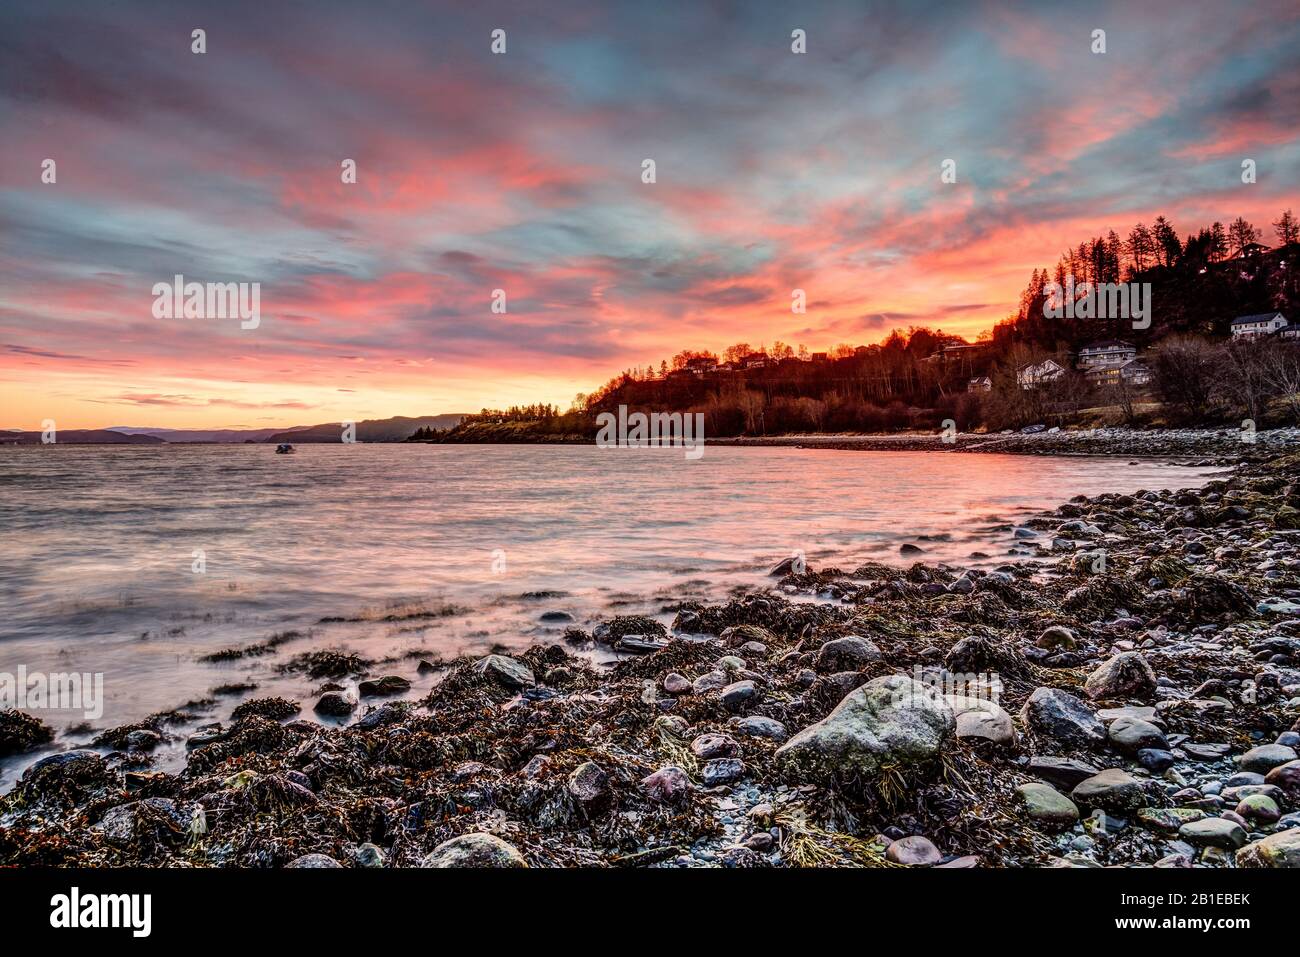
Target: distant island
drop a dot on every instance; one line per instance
(395, 429)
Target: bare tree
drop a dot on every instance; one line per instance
(1244, 381)
(1281, 360)
(1184, 370)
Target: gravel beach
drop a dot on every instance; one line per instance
(1123, 690)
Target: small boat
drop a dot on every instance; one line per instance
(284, 448)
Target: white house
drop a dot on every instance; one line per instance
(980, 384)
(700, 365)
(1034, 375)
(1260, 324)
(1108, 352)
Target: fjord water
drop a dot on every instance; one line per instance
(441, 550)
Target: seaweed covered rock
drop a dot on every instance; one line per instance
(1126, 675)
(143, 824)
(21, 732)
(1205, 596)
(891, 720)
(474, 850)
(65, 777)
(628, 626)
(274, 708)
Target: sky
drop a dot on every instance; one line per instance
(522, 171)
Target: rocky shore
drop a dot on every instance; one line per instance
(1199, 446)
(1125, 690)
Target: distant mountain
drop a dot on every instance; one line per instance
(204, 435)
(80, 437)
(397, 429)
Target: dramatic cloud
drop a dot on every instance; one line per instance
(522, 172)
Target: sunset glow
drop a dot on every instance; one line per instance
(523, 173)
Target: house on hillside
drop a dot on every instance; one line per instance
(1108, 353)
(1259, 324)
(980, 384)
(818, 357)
(1132, 372)
(1038, 373)
(701, 365)
(1251, 250)
(755, 360)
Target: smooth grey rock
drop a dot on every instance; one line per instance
(1213, 832)
(506, 671)
(474, 850)
(1046, 805)
(889, 720)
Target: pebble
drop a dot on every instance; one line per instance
(914, 851)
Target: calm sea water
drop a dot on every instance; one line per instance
(441, 550)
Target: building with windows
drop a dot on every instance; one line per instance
(1259, 324)
(1107, 353)
(1038, 373)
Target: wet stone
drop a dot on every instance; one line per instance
(914, 851)
(709, 746)
(722, 771)
(1213, 832)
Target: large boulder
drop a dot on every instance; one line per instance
(1127, 675)
(474, 850)
(1060, 716)
(1277, 850)
(889, 720)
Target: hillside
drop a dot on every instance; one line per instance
(80, 437)
(397, 429)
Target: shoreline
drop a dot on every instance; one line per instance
(1218, 446)
(715, 749)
